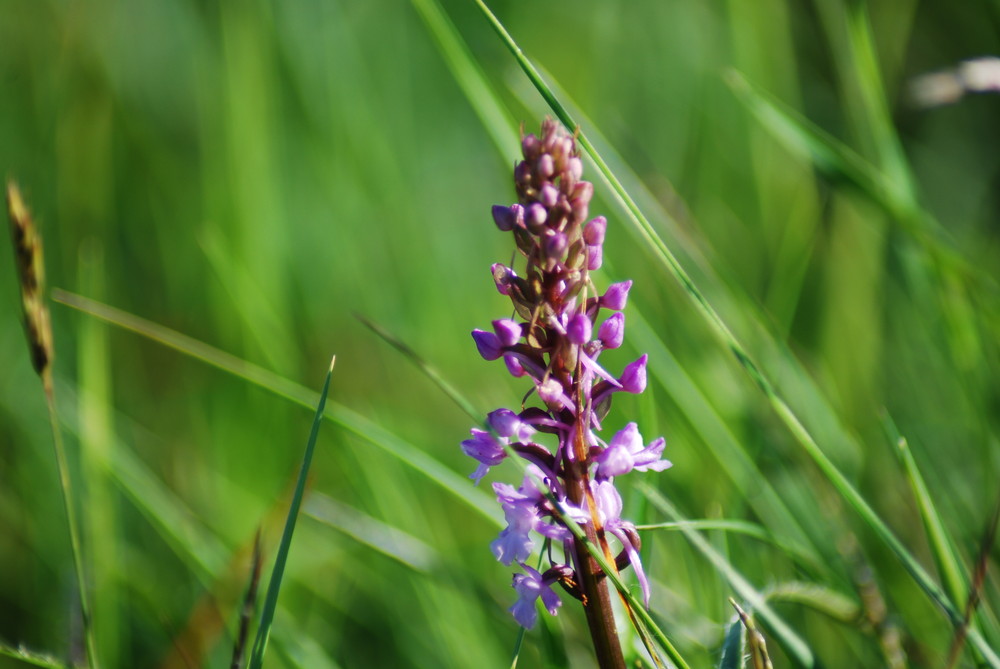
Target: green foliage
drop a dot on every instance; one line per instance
(253, 174)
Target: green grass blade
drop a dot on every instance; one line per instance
(941, 544)
(271, 599)
(792, 643)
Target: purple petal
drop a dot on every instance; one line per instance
(513, 366)
(650, 457)
(484, 448)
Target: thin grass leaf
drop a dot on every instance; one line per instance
(277, 574)
(733, 650)
(941, 544)
(738, 527)
(791, 642)
(819, 598)
(729, 340)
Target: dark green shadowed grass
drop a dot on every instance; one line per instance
(280, 560)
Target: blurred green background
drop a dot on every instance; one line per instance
(254, 173)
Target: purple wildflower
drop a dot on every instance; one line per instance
(551, 339)
(626, 452)
(530, 586)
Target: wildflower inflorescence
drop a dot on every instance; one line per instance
(555, 341)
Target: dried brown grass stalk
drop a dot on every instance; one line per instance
(31, 276)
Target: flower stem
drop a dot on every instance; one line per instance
(596, 598)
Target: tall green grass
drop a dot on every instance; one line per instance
(253, 174)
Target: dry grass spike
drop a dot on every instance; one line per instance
(31, 276)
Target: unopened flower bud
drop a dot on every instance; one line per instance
(530, 146)
(522, 174)
(593, 232)
(503, 277)
(505, 217)
(508, 331)
(549, 195)
(535, 216)
(489, 345)
(555, 245)
(595, 257)
(546, 166)
(616, 296)
(633, 379)
(575, 168)
(612, 331)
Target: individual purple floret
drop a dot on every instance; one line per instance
(530, 586)
(562, 323)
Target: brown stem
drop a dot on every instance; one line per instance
(596, 598)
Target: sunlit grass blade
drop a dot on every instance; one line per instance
(389, 541)
(278, 572)
(375, 434)
(790, 641)
(729, 340)
(827, 601)
(33, 658)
